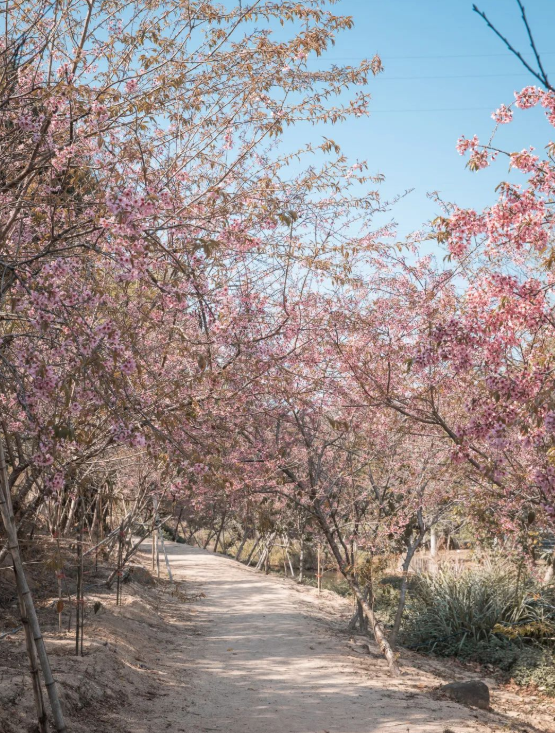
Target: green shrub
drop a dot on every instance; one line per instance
(535, 666)
(457, 609)
(499, 652)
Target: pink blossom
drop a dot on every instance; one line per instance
(463, 145)
(524, 160)
(528, 97)
(503, 115)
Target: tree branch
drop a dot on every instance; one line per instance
(541, 75)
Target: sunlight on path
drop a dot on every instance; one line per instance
(259, 664)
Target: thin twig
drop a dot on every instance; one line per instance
(541, 75)
(533, 44)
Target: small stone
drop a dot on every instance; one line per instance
(473, 692)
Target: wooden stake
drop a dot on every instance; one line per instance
(60, 604)
(80, 612)
(155, 550)
(100, 528)
(319, 575)
(301, 560)
(288, 556)
(119, 567)
(168, 568)
(154, 544)
(70, 612)
(59, 574)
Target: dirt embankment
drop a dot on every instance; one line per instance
(235, 651)
(104, 690)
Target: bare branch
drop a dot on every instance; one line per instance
(533, 44)
(540, 75)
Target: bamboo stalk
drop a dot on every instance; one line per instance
(78, 594)
(166, 557)
(34, 666)
(8, 519)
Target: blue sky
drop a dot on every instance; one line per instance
(445, 72)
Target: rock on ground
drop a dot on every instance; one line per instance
(472, 692)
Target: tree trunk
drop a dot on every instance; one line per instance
(168, 568)
(69, 517)
(403, 595)
(359, 618)
(377, 628)
(24, 593)
(269, 549)
(433, 551)
(267, 561)
(550, 570)
(210, 535)
(288, 556)
(191, 536)
(433, 543)
(379, 634)
(176, 530)
(261, 558)
(128, 555)
(219, 533)
(253, 550)
(242, 546)
(264, 559)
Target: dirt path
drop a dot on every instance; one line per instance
(262, 656)
(234, 651)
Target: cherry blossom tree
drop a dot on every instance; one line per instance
(147, 218)
(464, 348)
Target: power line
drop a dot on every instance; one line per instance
(385, 77)
(442, 109)
(442, 56)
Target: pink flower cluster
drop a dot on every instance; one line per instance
(503, 115)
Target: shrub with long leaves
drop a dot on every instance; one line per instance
(466, 606)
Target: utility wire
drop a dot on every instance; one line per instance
(385, 77)
(442, 109)
(444, 56)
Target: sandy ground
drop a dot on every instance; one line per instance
(268, 656)
(228, 649)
